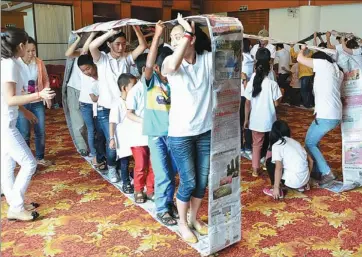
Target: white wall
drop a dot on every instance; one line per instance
(29, 22)
(282, 26)
(344, 18)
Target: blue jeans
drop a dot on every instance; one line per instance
(315, 133)
(306, 89)
(87, 114)
(123, 165)
(165, 171)
(192, 156)
(103, 125)
(24, 127)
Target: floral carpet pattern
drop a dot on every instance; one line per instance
(83, 215)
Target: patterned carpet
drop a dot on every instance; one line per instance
(82, 215)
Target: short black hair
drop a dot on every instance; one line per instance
(113, 38)
(352, 43)
(85, 59)
(323, 44)
(124, 79)
(163, 52)
(246, 45)
(281, 46)
(31, 41)
(141, 62)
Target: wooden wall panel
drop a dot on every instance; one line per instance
(14, 18)
(253, 21)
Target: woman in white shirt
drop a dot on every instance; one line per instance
(188, 72)
(262, 95)
(352, 48)
(13, 146)
(35, 78)
(328, 106)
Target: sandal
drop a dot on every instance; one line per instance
(31, 206)
(23, 215)
(128, 188)
(173, 211)
(166, 219)
(99, 166)
(83, 152)
(140, 197)
(45, 163)
(255, 174)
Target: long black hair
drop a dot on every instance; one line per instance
(323, 56)
(202, 42)
(10, 40)
(280, 129)
(262, 69)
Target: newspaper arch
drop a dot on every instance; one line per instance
(224, 204)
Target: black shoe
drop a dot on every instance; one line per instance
(83, 152)
(173, 211)
(128, 188)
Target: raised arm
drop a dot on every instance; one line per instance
(96, 43)
(173, 62)
(329, 44)
(142, 44)
(72, 51)
(304, 60)
(315, 42)
(152, 55)
(85, 48)
(345, 48)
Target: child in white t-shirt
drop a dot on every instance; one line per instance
(295, 96)
(289, 162)
(143, 172)
(262, 96)
(119, 130)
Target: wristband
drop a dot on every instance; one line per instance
(189, 33)
(188, 37)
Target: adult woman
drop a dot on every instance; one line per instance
(34, 74)
(328, 105)
(188, 72)
(13, 146)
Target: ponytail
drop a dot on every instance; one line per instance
(10, 40)
(261, 71)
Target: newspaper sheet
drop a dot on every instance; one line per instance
(224, 179)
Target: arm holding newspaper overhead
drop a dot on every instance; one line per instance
(345, 48)
(96, 43)
(73, 52)
(173, 62)
(329, 45)
(142, 44)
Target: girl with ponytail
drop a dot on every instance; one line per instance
(262, 96)
(289, 163)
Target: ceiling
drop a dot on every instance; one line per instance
(14, 5)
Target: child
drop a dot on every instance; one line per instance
(292, 164)
(155, 125)
(262, 96)
(118, 129)
(143, 173)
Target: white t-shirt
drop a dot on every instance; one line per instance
(136, 99)
(10, 72)
(343, 58)
(118, 115)
(295, 162)
(247, 68)
(270, 47)
(28, 72)
(282, 58)
(263, 113)
(191, 108)
(87, 85)
(327, 90)
(75, 77)
(109, 69)
(357, 57)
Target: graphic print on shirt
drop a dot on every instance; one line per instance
(158, 95)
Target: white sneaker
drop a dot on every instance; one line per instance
(113, 175)
(248, 154)
(262, 160)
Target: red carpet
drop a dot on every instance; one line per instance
(83, 215)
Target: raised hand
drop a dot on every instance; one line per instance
(185, 24)
(159, 29)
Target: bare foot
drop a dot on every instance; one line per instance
(186, 233)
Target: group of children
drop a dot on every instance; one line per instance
(266, 140)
